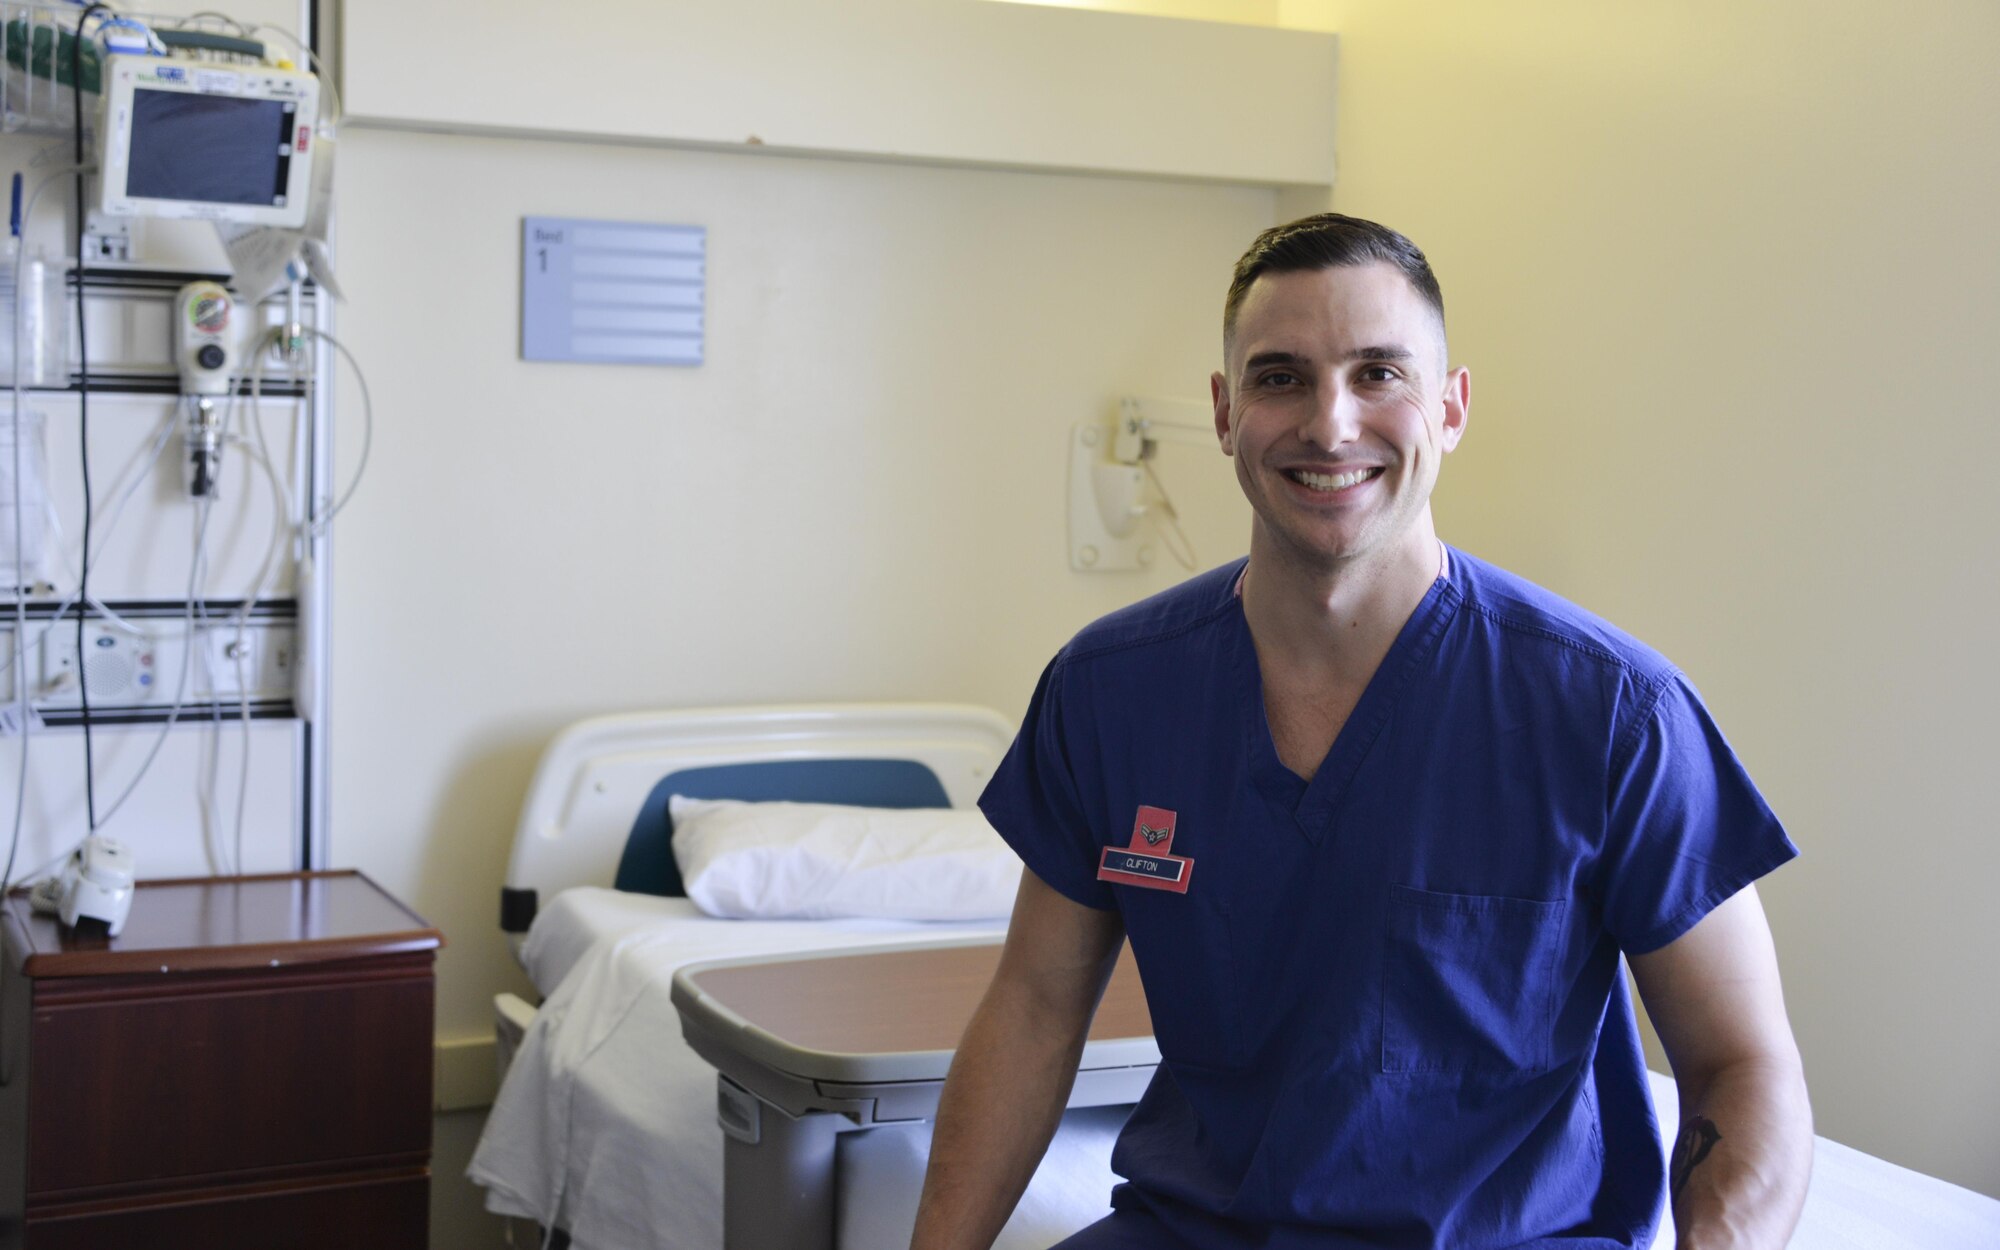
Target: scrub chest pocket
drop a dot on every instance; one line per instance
(1468, 982)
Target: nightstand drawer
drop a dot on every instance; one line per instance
(174, 1078)
(385, 1213)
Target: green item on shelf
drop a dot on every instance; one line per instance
(32, 53)
(209, 41)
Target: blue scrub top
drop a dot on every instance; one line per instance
(1389, 999)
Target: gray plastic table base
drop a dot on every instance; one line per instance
(779, 1176)
(782, 1107)
(778, 1185)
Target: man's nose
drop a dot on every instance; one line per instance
(1335, 418)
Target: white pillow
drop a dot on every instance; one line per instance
(819, 861)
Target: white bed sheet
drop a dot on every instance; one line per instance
(606, 1123)
(1860, 1202)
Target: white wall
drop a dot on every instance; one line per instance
(938, 80)
(859, 496)
(1725, 277)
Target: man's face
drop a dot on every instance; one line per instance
(1338, 409)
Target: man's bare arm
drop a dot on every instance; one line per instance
(1744, 1152)
(1011, 1076)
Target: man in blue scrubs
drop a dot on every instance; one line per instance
(1380, 821)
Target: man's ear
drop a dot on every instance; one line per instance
(1218, 395)
(1457, 406)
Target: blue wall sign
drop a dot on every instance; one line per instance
(612, 292)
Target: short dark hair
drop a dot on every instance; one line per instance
(1329, 241)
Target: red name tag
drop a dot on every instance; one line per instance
(1147, 861)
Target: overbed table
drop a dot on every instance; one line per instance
(808, 1047)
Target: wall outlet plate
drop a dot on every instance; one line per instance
(1093, 547)
(256, 660)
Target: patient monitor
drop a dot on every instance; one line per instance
(224, 142)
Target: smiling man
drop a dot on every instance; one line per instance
(1383, 823)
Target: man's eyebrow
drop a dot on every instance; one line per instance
(1381, 351)
(1261, 359)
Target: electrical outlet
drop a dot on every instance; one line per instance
(256, 661)
(232, 657)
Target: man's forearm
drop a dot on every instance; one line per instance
(1002, 1101)
(1738, 1174)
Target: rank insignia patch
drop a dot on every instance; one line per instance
(1147, 861)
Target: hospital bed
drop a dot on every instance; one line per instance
(606, 1125)
(610, 1127)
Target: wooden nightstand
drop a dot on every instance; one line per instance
(247, 1064)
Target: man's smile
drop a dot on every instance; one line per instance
(1329, 483)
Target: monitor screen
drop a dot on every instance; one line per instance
(210, 149)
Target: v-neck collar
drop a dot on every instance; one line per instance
(1312, 803)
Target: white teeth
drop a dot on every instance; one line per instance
(1322, 481)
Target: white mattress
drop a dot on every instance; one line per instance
(606, 1122)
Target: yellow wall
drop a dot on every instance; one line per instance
(1726, 277)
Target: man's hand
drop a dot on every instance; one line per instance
(1744, 1152)
(1011, 1075)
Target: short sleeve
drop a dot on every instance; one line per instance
(1036, 803)
(1686, 826)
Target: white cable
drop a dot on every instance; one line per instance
(293, 512)
(110, 526)
(194, 632)
(1172, 518)
(206, 767)
(209, 763)
(203, 15)
(202, 513)
(243, 753)
(280, 529)
(173, 713)
(282, 525)
(145, 461)
(211, 741)
(318, 526)
(197, 571)
(238, 621)
(18, 661)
